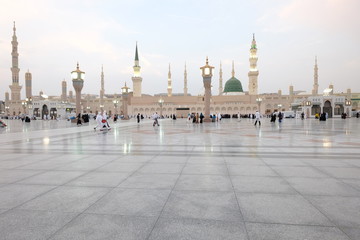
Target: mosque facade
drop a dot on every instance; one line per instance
(230, 99)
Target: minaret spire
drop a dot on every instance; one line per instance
(253, 73)
(315, 90)
(102, 88)
(169, 83)
(15, 87)
(137, 79)
(185, 82)
(233, 70)
(220, 80)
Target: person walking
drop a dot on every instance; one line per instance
(280, 116)
(105, 120)
(138, 117)
(78, 120)
(155, 116)
(98, 121)
(257, 118)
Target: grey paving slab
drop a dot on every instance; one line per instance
(285, 162)
(83, 165)
(340, 172)
(179, 229)
(95, 226)
(15, 194)
(280, 208)
(118, 166)
(14, 175)
(204, 182)
(66, 199)
(299, 172)
(132, 202)
(217, 169)
(259, 231)
(322, 186)
(244, 161)
(327, 162)
(261, 185)
(276, 173)
(249, 170)
(161, 168)
(150, 181)
(52, 177)
(344, 211)
(45, 164)
(353, 233)
(11, 164)
(99, 179)
(28, 225)
(169, 159)
(202, 205)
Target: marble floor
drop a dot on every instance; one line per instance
(225, 180)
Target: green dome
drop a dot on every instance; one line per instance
(233, 85)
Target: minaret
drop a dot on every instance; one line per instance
(15, 87)
(233, 70)
(63, 91)
(102, 89)
(28, 84)
(169, 88)
(137, 79)
(185, 82)
(316, 79)
(253, 73)
(220, 80)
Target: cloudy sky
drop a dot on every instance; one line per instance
(54, 35)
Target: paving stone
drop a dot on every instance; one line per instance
(259, 231)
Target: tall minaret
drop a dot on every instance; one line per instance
(15, 87)
(28, 84)
(169, 88)
(315, 90)
(253, 73)
(63, 91)
(137, 79)
(220, 80)
(233, 70)
(185, 82)
(102, 89)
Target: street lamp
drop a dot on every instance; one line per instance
(279, 106)
(348, 103)
(125, 93)
(259, 100)
(207, 74)
(161, 102)
(116, 105)
(78, 82)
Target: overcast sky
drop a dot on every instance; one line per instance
(54, 35)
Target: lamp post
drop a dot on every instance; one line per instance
(161, 102)
(279, 106)
(116, 105)
(78, 83)
(125, 93)
(259, 100)
(7, 108)
(207, 74)
(24, 104)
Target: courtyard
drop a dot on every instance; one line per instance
(225, 180)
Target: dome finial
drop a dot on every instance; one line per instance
(77, 66)
(14, 28)
(233, 70)
(207, 60)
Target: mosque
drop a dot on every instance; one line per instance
(232, 99)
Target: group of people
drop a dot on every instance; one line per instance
(279, 115)
(102, 121)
